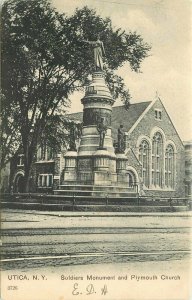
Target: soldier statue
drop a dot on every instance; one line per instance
(79, 127)
(99, 52)
(102, 129)
(121, 139)
(72, 139)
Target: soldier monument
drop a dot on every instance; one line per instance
(95, 166)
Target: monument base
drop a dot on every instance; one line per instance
(70, 170)
(101, 178)
(70, 176)
(82, 191)
(122, 179)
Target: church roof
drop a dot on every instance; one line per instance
(120, 116)
(127, 117)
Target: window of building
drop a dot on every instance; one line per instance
(144, 159)
(49, 153)
(20, 161)
(157, 160)
(169, 166)
(45, 180)
(45, 153)
(158, 114)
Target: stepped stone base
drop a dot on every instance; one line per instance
(104, 178)
(101, 191)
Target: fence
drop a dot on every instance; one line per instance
(73, 200)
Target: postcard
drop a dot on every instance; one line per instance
(96, 175)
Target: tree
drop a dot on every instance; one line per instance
(10, 136)
(57, 133)
(44, 60)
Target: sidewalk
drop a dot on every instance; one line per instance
(97, 214)
(32, 219)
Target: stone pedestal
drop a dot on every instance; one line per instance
(122, 176)
(85, 170)
(70, 170)
(101, 174)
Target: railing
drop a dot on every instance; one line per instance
(74, 200)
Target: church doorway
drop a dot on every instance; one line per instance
(131, 179)
(19, 183)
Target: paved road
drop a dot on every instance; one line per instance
(64, 249)
(35, 239)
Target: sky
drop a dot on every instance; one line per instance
(167, 26)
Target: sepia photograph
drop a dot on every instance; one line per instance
(96, 150)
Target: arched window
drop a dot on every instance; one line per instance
(144, 159)
(42, 152)
(49, 153)
(169, 166)
(157, 160)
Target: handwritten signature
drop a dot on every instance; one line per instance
(90, 289)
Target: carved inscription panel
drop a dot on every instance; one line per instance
(84, 164)
(92, 116)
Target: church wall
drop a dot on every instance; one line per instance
(133, 162)
(144, 128)
(188, 169)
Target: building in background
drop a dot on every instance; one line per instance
(188, 168)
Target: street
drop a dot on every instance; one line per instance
(64, 239)
(53, 243)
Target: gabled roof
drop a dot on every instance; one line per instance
(128, 117)
(171, 121)
(120, 116)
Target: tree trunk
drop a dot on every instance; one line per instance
(27, 179)
(29, 154)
